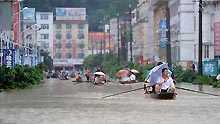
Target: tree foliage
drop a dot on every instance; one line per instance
(48, 61)
(19, 76)
(96, 9)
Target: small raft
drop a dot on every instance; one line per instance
(163, 95)
(127, 82)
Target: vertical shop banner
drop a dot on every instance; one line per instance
(73, 49)
(63, 49)
(9, 57)
(217, 38)
(16, 15)
(162, 33)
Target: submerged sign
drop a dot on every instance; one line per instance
(210, 68)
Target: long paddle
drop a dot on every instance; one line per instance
(121, 92)
(196, 91)
(186, 89)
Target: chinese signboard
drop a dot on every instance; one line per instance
(162, 33)
(9, 57)
(210, 68)
(217, 38)
(70, 13)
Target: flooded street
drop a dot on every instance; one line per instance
(61, 102)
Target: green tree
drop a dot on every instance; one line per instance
(48, 61)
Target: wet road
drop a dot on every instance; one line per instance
(61, 102)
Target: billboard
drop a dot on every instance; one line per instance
(70, 13)
(96, 38)
(29, 14)
(217, 39)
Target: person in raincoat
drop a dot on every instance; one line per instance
(86, 73)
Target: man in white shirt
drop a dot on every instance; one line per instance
(165, 83)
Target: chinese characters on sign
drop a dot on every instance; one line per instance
(210, 68)
(162, 33)
(9, 57)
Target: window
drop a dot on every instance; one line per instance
(58, 45)
(46, 45)
(29, 36)
(58, 55)
(81, 36)
(28, 26)
(68, 45)
(81, 26)
(81, 45)
(44, 36)
(68, 55)
(44, 26)
(80, 55)
(58, 26)
(58, 36)
(68, 36)
(206, 55)
(68, 26)
(44, 16)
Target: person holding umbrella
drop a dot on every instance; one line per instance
(165, 83)
(149, 79)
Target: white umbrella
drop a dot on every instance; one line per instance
(99, 73)
(134, 71)
(156, 73)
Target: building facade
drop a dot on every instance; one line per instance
(44, 21)
(70, 39)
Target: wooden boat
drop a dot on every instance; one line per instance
(163, 95)
(127, 82)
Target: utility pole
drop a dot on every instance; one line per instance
(109, 38)
(131, 59)
(104, 36)
(200, 38)
(168, 43)
(118, 39)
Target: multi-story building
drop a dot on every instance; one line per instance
(142, 33)
(28, 37)
(44, 21)
(70, 39)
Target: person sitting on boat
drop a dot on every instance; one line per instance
(78, 77)
(125, 78)
(97, 79)
(133, 77)
(165, 83)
